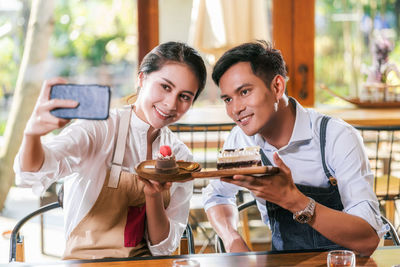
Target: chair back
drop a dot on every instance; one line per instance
(383, 149)
(219, 244)
(16, 241)
(392, 234)
(204, 141)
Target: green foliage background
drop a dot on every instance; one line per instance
(332, 52)
(88, 36)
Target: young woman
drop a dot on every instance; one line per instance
(109, 211)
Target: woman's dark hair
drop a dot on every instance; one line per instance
(176, 52)
(266, 62)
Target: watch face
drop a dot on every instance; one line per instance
(304, 217)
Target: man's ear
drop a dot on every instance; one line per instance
(141, 77)
(278, 86)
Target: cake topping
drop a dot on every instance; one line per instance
(165, 151)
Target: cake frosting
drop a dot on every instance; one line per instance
(239, 158)
(166, 162)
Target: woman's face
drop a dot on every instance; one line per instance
(165, 95)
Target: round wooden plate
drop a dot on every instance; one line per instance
(191, 170)
(146, 169)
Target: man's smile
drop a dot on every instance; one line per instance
(244, 120)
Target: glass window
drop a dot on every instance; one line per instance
(213, 27)
(356, 42)
(92, 42)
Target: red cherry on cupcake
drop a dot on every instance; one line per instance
(165, 151)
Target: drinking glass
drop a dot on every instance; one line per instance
(341, 258)
(185, 263)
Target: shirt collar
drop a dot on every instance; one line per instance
(302, 130)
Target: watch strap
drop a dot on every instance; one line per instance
(308, 210)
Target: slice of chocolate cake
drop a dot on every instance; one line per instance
(239, 158)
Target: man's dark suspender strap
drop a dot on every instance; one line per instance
(264, 158)
(322, 138)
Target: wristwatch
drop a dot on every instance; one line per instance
(305, 215)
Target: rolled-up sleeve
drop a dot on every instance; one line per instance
(368, 211)
(41, 180)
(355, 178)
(219, 193)
(63, 155)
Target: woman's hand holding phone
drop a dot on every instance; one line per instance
(42, 121)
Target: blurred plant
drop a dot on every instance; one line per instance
(90, 33)
(382, 70)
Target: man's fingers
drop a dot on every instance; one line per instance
(241, 180)
(280, 164)
(239, 177)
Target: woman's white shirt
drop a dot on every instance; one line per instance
(81, 155)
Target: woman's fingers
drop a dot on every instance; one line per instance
(41, 121)
(59, 103)
(155, 186)
(161, 186)
(53, 121)
(167, 185)
(47, 84)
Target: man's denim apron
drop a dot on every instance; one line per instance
(288, 234)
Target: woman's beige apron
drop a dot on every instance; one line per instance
(114, 227)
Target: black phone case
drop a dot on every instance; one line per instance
(94, 101)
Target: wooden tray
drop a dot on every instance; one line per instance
(361, 104)
(191, 170)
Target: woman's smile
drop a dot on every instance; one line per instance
(162, 115)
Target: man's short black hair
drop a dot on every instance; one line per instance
(266, 62)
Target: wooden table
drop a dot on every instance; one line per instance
(365, 117)
(384, 256)
(349, 113)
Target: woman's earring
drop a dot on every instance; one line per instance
(276, 106)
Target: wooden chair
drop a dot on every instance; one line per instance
(219, 244)
(17, 252)
(383, 149)
(390, 236)
(204, 140)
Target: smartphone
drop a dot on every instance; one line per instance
(94, 101)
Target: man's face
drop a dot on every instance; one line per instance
(247, 100)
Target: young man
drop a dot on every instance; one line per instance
(306, 207)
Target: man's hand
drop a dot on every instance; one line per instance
(279, 189)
